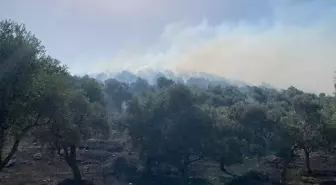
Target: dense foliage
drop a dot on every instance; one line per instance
(171, 125)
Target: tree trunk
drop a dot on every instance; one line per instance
(9, 156)
(222, 167)
(17, 139)
(307, 161)
(148, 166)
(70, 158)
(284, 171)
(76, 173)
(185, 173)
(286, 163)
(184, 170)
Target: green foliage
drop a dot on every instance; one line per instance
(36, 92)
(29, 82)
(91, 88)
(117, 93)
(169, 128)
(243, 122)
(163, 82)
(171, 125)
(140, 87)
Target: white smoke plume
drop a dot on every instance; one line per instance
(296, 47)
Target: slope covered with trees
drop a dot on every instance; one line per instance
(169, 132)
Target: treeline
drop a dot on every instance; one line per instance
(169, 125)
(177, 125)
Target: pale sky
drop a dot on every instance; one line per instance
(281, 42)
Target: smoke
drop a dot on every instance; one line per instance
(281, 55)
(296, 47)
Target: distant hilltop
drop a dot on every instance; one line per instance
(191, 78)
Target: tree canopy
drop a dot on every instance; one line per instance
(170, 124)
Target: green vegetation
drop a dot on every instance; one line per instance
(170, 126)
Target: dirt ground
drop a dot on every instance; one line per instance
(46, 170)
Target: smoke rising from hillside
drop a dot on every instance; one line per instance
(294, 48)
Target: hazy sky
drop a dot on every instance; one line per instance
(281, 42)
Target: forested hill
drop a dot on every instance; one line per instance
(164, 131)
(190, 78)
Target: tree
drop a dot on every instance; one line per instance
(117, 93)
(75, 111)
(140, 86)
(284, 144)
(75, 130)
(302, 127)
(259, 94)
(258, 128)
(75, 121)
(163, 82)
(329, 117)
(240, 131)
(92, 89)
(198, 82)
(224, 96)
(309, 120)
(226, 144)
(27, 79)
(37, 92)
(160, 128)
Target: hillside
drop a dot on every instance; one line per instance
(154, 128)
(151, 76)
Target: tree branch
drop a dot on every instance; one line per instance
(10, 154)
(66, 152)
(73, 151)
(28, 127)
(224, 170)
(16, 143)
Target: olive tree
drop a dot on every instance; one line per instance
(168, 128)
(27, 77)
(80, 116)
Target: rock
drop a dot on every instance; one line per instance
(46, 181)
(11, 163)
(37, 156)
(86, 169)
(26, 162)
(71, 182)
